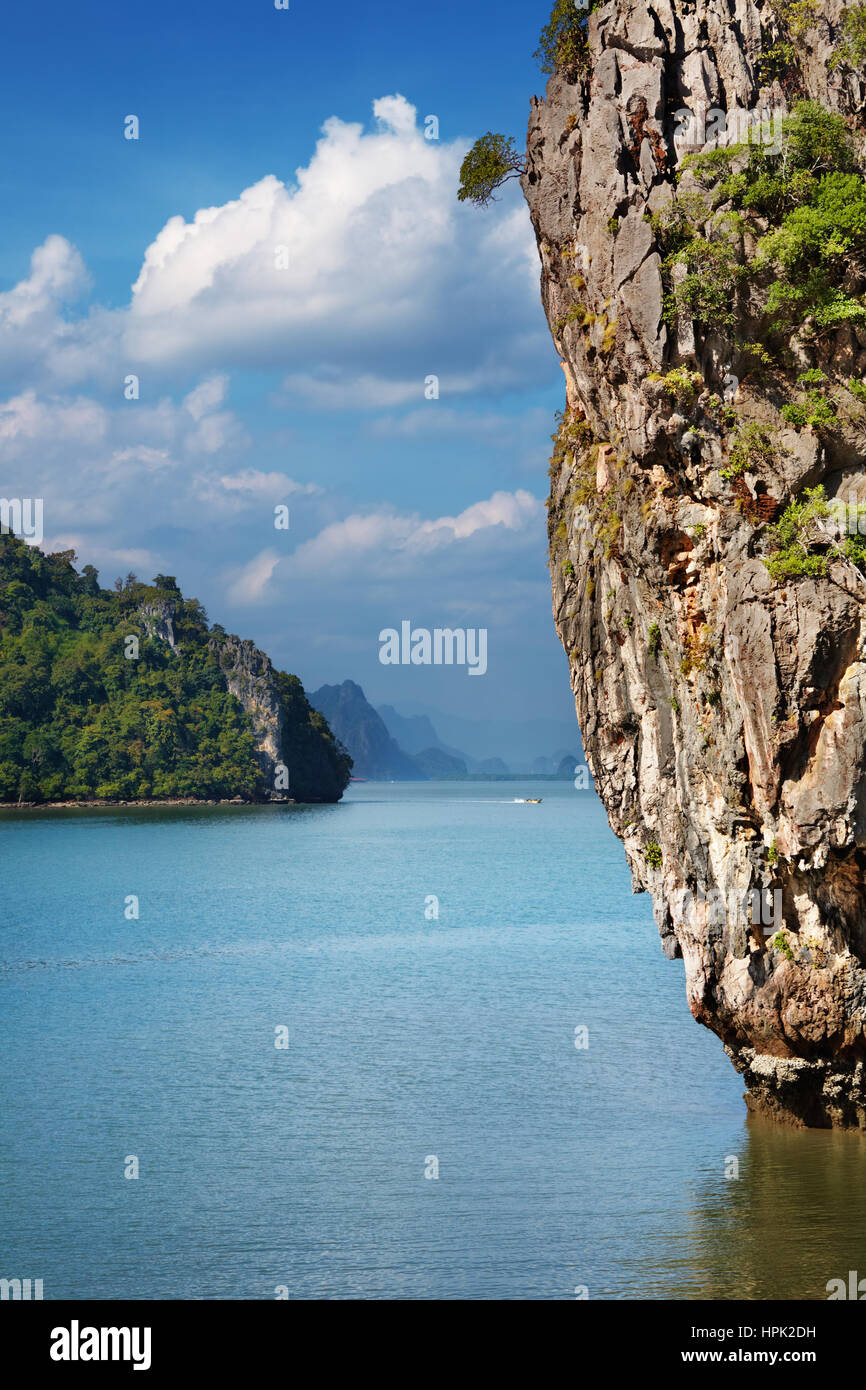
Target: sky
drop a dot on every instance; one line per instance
(244, 307)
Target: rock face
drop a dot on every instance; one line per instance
(158, 621)
(723, 714)
(295, 749)
(249, 676)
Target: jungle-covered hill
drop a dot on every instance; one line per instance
(195, 713)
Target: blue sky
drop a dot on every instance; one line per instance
(285, 136)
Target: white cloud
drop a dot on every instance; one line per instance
(206, 396)
(232, 494)
(142, 456)
(216, 433)
(40, 339)
(249, 583)
(342, 391)
(26, 420)
(269, 486)
(389, 280)
(510, 509)
(380, 258)
(395, 114)
(57, 276)
(99, 464)
(386, 541)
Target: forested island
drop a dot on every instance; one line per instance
(130, 694)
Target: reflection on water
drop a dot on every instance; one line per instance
(794, 1220)
(217, 817)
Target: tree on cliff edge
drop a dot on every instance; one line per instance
(562, 48)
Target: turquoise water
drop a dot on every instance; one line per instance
(409, 1039)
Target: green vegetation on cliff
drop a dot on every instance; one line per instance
(80, 719)
(490, 163)
(562, 48)
(803, 199)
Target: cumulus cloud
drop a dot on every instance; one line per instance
(361, 276)
(386, 541)
(248, 491)
(214, 434)
(26, 420)
(367, 252)
(41, 339)
(98, 463)
(141, 457)
(510, 509)
(351, 284)
(57, 276)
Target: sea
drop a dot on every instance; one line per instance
(422, 1044)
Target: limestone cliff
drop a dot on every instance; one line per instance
(722, 708)
(297, 754)
(249, 677)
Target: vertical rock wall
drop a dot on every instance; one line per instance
(723, 714)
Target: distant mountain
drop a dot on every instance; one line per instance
(362, 731)
(415, 732)
(393, 745)
(516, 742)
(495, 766)
(567, 765)
(435, 762)
(543, 766)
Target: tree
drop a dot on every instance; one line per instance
(90, 580)
(28, 787)
(562, 47)
(491, 162)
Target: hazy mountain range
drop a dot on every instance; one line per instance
(392, 745)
